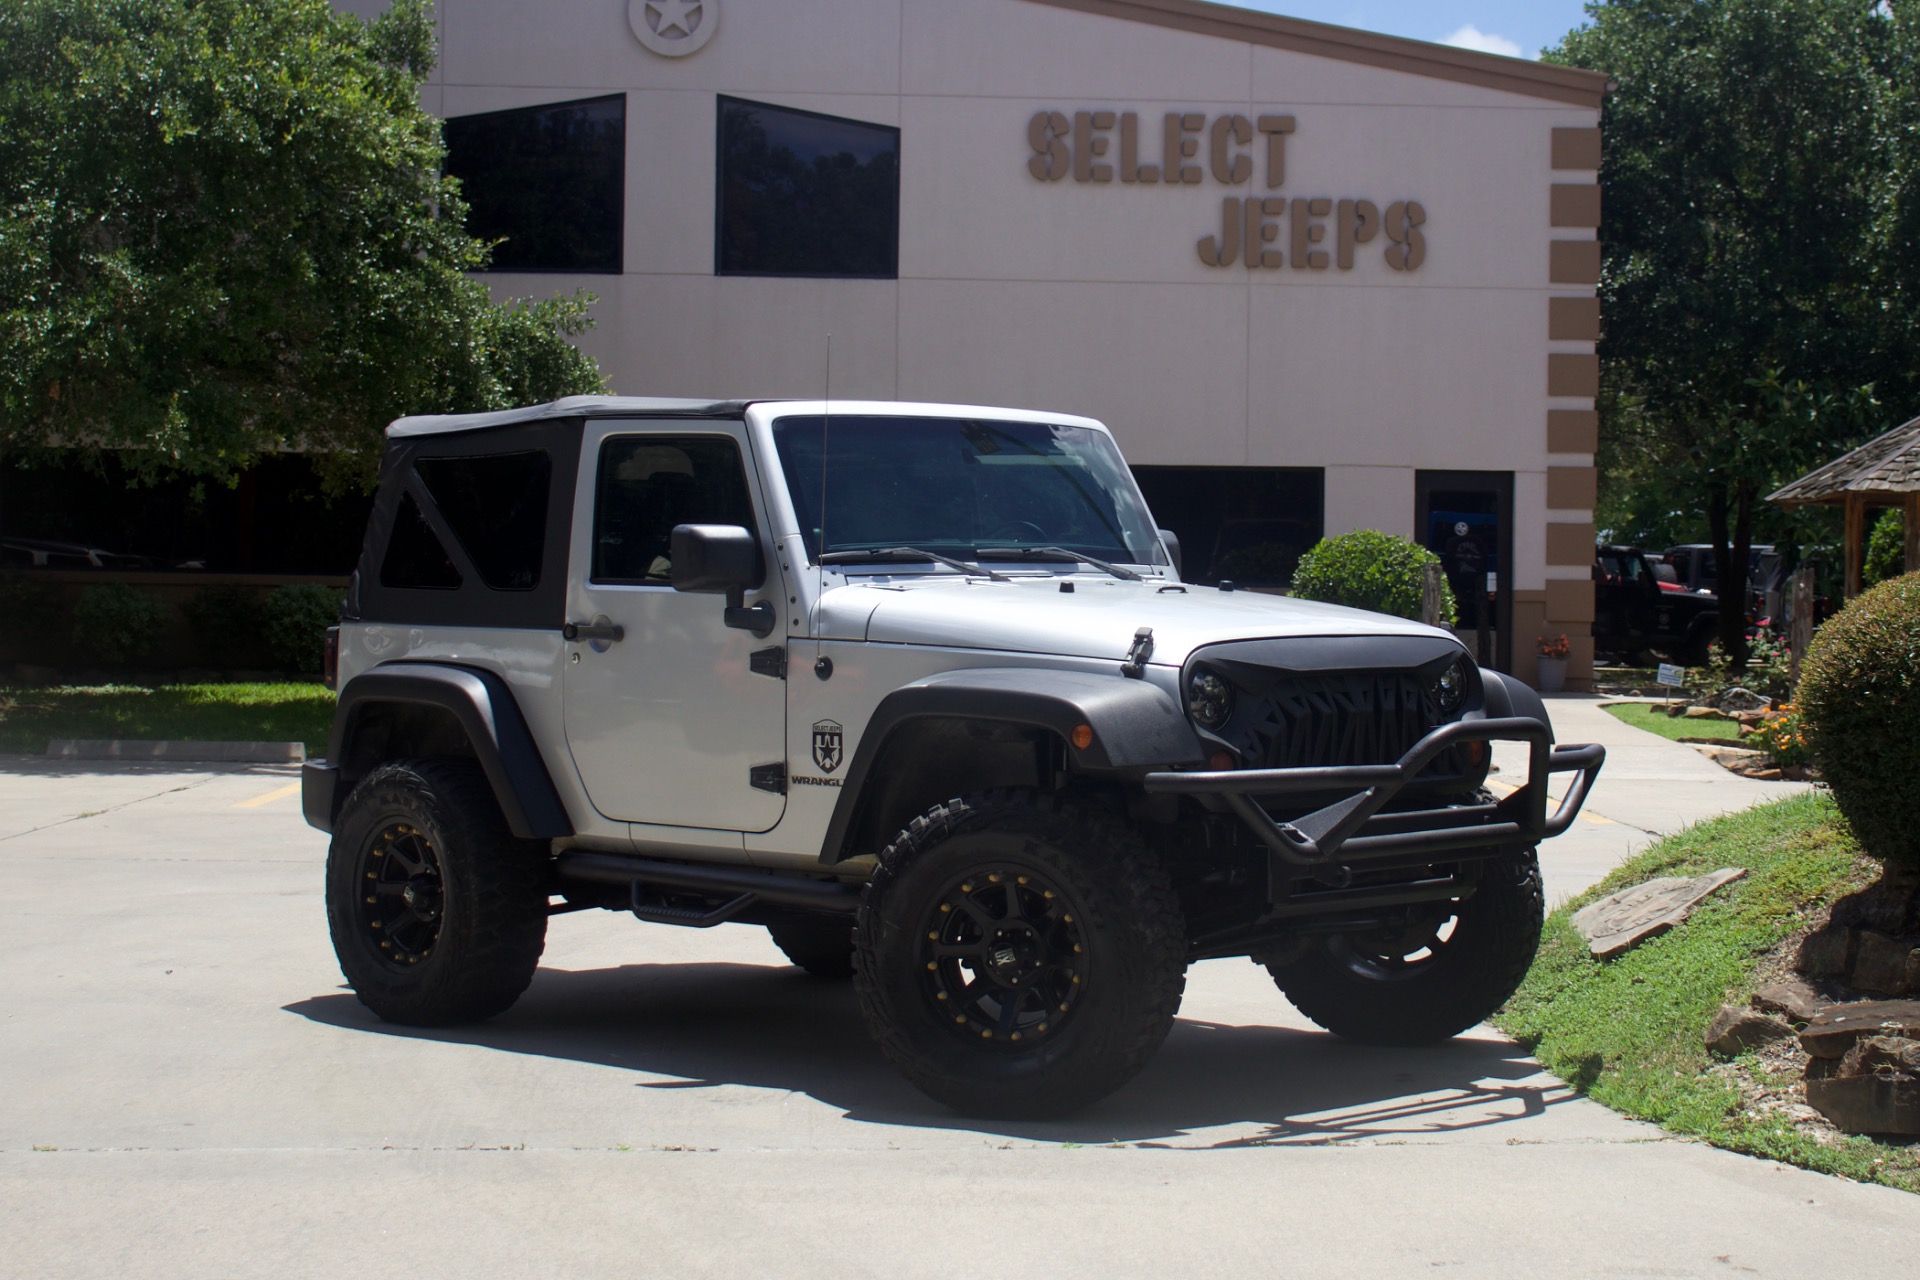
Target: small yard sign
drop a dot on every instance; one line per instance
(1674, 677)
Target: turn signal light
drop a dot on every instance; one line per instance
(1083, 736)
(1221, 760)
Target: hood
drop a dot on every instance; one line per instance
(1096, 619)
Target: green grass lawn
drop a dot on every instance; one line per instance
(1629, 1032)
(1646, 716)
(195, 712)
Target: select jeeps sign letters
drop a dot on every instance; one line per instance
(1308, 233)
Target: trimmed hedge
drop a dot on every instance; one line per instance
(1368, 569)
(1860, 701)
(295, 621)
(115, 623)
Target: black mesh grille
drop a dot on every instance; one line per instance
(1335, 719)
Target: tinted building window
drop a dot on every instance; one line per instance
(496, 505)
(649, 484)
(802, 194)
(1245, 524)
(548, 182)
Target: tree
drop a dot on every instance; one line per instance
(1752, 285)
(225, 232)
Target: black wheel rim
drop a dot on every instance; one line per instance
(1004, 960)
(1396, 954)
(402, 895)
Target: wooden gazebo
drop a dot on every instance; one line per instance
(1884, 472)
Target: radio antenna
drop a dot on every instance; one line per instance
(826, 421)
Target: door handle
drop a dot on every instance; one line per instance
(604, 632)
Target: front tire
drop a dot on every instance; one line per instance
(438, 913)
(1015, 957)
(1440, 970)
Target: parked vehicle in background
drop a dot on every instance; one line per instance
(1633, 614)
(38, 553)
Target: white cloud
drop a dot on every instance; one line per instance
(1472, 37)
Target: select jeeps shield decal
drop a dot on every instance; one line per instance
(826, 745)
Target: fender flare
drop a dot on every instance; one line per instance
(485, 707)
(1506, 696)
(1136, 725)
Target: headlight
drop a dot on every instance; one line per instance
(1209, 698)
(1450, 687)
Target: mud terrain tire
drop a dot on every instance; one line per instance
(1016, 956)
(1412, 990)
(822, 945)
(438, 913)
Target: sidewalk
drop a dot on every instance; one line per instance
(1649, 788)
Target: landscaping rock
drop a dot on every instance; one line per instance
(1794, 999)
(1831, 1032)
(1734, 1029)
(1705, 713)
(1872, 938)
(1886, 966)
(1738, 699)
(1882, 1056)
(1620, 921)
(1827, 953)
(1868, 1104)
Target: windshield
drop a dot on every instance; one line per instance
(957, 486)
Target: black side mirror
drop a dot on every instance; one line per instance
(716, 557)
(722, 558)
(1171, 541)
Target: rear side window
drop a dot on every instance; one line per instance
(415, 557)
(649, 484)
(496, 505)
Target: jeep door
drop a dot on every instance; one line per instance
(667, 723)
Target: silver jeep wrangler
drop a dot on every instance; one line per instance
(918, 689)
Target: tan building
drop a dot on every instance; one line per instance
(1315, 279)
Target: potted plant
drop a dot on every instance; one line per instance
(1553, 664)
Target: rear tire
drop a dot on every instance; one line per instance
(1017, 957)
(822, 945)
(1448, 968)
(438, 913)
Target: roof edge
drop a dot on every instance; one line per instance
(1572, 85)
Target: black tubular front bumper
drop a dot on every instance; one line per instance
(1353, 830)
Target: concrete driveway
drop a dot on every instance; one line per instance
(187, 1090)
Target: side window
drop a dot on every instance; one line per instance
(496, 505)
(415, 557)
(648, 484)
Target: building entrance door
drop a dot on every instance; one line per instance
(1466, 518)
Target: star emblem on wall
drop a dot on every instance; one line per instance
(674, 15)
(673, 28)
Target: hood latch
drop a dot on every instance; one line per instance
(1136, 664)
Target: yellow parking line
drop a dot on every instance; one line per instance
(280, 793)
(1586, 815)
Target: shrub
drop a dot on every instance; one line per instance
(295, 621)
(1368, 569)
(1886, 549)
(1768, 671)
(1860, 699)
(226, 624)
(29, 619)
(116, 623)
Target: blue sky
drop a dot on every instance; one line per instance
(1514, 27)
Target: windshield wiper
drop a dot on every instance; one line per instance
(883, 555)
(1055, 553)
